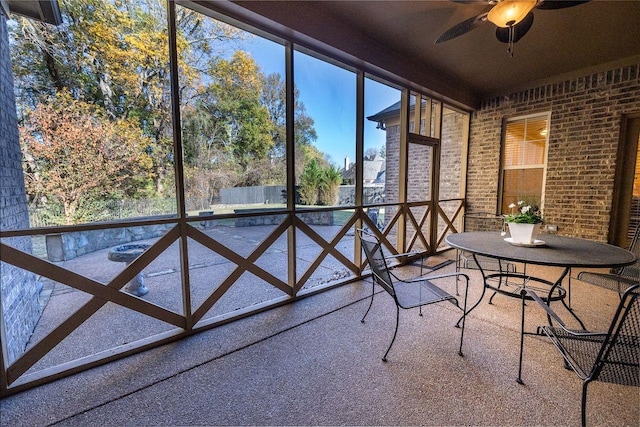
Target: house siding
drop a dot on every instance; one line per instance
(584, 133)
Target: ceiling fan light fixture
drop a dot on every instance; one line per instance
(507, 13)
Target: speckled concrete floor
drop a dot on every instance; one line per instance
(314, 363)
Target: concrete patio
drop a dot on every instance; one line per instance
(314, 363)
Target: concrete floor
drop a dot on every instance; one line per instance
(314, 363)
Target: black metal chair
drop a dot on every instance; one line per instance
(612, 356)
(374, 216)
(407, 293)
(483, 221)
(617, 280)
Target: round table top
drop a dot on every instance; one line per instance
(556, 250)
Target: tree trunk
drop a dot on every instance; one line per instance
(160, 175)
(68, 212)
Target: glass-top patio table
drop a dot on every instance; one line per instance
(557, 251)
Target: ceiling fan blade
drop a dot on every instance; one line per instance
(519, 30)
(462, 28)
(559, 4)
(474, 1)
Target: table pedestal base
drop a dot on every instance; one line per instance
(514, 285)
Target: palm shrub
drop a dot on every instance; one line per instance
(309, 183)
(329, 187)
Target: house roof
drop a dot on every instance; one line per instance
(390, 111)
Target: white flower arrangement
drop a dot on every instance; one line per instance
(527, 214)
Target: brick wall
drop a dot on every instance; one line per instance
(451, 155)
(19, 294)
(392, 170)
(584, 132)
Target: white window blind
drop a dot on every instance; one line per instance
(524, 160)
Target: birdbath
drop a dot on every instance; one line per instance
(127, 254)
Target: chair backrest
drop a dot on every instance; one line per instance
(619, 358)
(374, 216)
(633, 270)
(375, 256)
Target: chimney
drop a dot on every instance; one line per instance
(346, 163)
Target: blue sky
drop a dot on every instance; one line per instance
(328, 93)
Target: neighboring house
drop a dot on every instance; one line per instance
(373, 171)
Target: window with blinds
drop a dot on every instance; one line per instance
(524, 158)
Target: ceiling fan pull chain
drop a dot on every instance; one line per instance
(511, 33)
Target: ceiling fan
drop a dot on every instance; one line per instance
(513, 18)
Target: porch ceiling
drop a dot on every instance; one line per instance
(475, 65)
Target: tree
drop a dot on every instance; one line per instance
(236, 92)
(274, 99)
(370, 153)
(203, 157)
(224, 129)
(76, 154)
(114, 54)
(227, 131)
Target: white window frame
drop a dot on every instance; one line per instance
(504, 168)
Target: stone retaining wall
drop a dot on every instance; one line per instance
(372, 194)
(311, 218)
(66, 246)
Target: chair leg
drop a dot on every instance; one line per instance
(499, 280)
(458, 254)
(491, 298)
(519, 380)
(464, 318)
(384, 358)
(584, 402)
(373, 289)
(569, 288)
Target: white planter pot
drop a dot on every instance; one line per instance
(523, 233)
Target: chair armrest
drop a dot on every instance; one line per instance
(545, 307)
(608, 281)
(557, 318)
(402, 254)
(438, 276)
(408, 254)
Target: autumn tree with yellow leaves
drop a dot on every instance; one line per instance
(110, 60)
